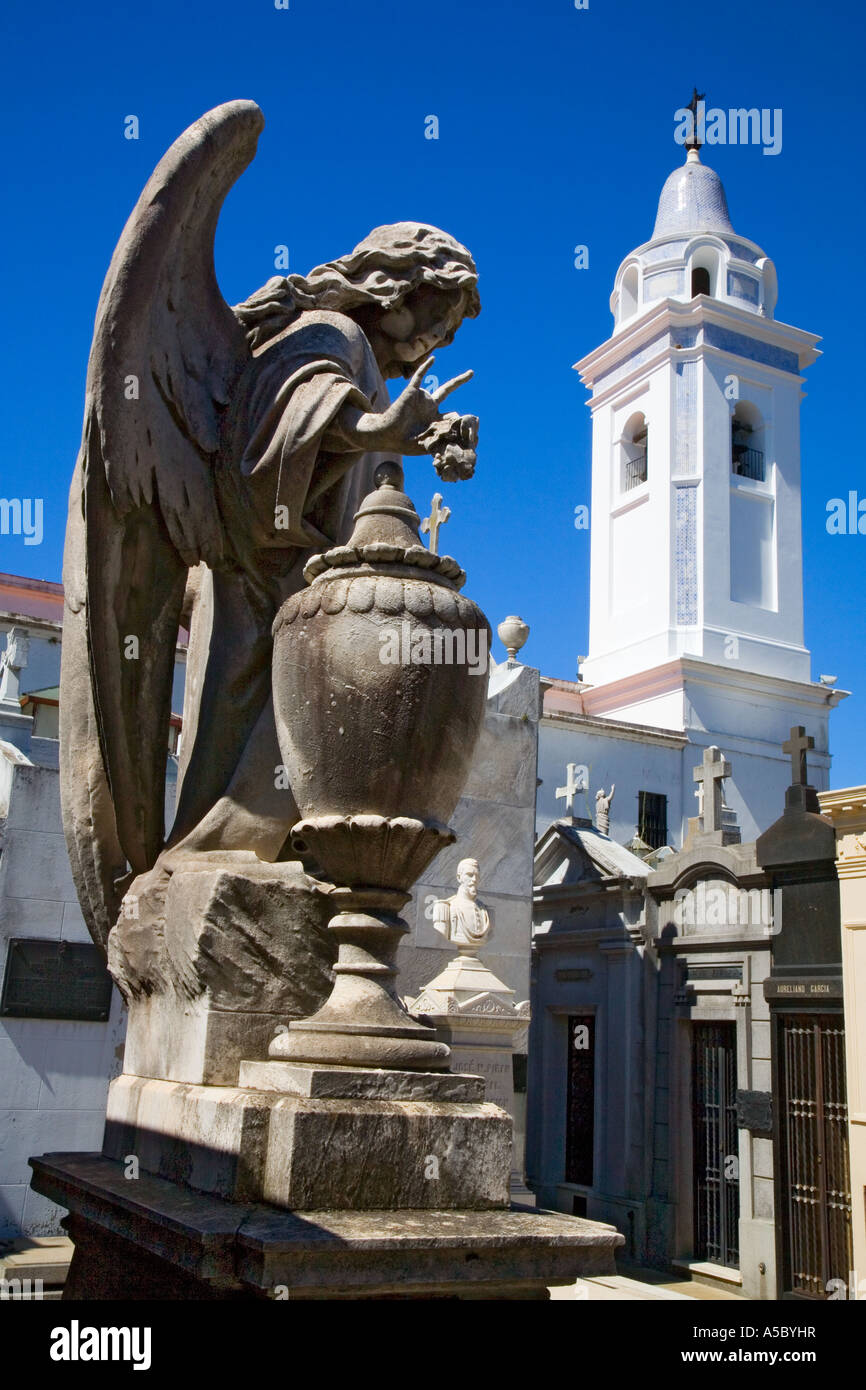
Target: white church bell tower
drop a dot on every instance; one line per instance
(696, 536)
(696, 588)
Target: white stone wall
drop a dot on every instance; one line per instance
(776, 629)
(748, 716)
(631, 536)
(495, 824)
(665, 554)
(653, 764)
(54, 1074)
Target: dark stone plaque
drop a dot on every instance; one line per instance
(755, 1112)
(55, 979)
(573, 974)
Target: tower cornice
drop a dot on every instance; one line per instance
(676, 314)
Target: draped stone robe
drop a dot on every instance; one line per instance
(289, 484)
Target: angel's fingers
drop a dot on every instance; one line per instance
(420, 372)
(442, 391)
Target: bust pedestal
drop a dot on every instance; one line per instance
(477, 1016)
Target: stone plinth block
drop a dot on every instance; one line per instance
(152, 1239)
(244, 951)
(344, 1083)
(370, 1154)
(211, 1138)
(296, 1150)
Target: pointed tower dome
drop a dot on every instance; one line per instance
(693, 250)
(692, 200)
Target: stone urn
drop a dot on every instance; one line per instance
(513, 632)
(380, 688)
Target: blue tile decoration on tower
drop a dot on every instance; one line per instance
(686, 564)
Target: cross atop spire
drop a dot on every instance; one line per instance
(798, 745)
(694, 141)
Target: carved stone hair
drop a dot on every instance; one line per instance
(383, 269)
(462, 865)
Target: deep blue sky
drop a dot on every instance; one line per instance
(556, 128)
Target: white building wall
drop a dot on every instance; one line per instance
(748, 717)
(630, 594)
(54, 1074)
(634, 763)
(495, 824)
(776, 626)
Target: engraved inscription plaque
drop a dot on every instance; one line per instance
(55, 979)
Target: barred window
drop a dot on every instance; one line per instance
(652, 818)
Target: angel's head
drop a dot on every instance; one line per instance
(408, 285)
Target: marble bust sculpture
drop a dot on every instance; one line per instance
(463, 919)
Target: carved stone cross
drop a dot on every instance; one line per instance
(573, 783)
(710, 775)
(438, 516)
(797, 745)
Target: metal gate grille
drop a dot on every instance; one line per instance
(815, 1172)
(715, 1143)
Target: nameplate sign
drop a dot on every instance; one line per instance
(827, 988)
(712, 972)
(55, 979)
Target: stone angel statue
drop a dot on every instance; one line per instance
(223, 443)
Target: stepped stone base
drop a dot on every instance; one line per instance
(154, 1239)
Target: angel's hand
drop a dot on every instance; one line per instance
(407, 418)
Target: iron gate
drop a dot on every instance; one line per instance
(715, 1143)
(816, 1187)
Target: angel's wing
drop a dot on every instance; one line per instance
(167, 351)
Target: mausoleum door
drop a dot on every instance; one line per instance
(816, 1186)
(715, 1144)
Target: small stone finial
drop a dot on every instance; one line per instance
(602, 808)
(389, 473)
(513, 632)
(438, 517)
(797, 746)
